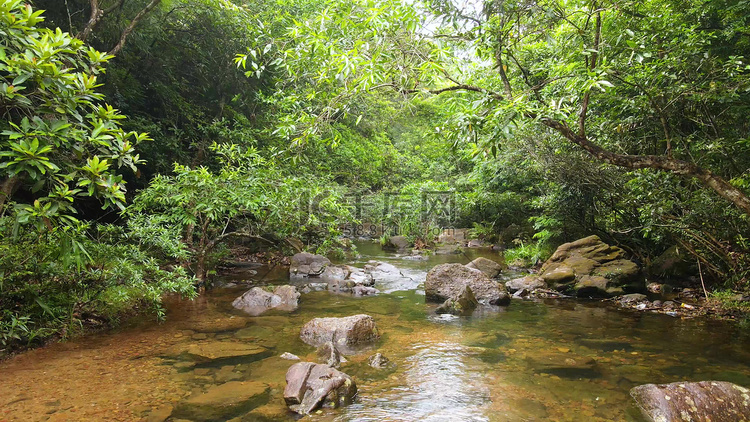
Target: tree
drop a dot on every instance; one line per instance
(248, 197)
(597, 73)
(58, 142)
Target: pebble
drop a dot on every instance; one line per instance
(289, 356)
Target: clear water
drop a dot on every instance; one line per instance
(534, 361)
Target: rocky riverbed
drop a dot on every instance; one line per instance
(536, 359)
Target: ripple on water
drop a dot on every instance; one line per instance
(439, 384)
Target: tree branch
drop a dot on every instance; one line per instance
(123, 37)
(658, 162)
(96, 15)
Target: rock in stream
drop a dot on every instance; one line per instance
(310, 386)
(447, 281)
(715, 401)
(343, 332)
(257, 300)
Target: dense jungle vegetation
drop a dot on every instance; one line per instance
(140, 139)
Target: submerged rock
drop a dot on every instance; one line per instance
(447, 281)
(715, 401)
(633, 298)
(491, 268)
(463, 304)
(226, 349)
(223, 401)
(257, 300)
(589, 267)
(310, 386)
(343, 332)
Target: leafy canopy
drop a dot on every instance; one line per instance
(58, 140)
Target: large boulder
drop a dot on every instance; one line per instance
(257, 300)
(305, 264)
(345, 332)
(715, 401)
(447, 281)
(310, 386)
(487, 266)
(589, 267)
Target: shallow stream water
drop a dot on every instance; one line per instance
(556, 360)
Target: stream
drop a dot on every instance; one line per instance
(544, 360)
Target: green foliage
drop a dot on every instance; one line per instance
(730, 300)
(57, 140)
(482, 231)
(249, 197)
(527, 254)
(55, 283)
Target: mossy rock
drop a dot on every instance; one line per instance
(589, 267)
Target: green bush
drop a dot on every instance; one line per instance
(58, 282)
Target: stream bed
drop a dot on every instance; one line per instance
(551, 360)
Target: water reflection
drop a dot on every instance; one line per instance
(440, 384)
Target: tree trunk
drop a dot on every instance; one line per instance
(657, 162)
(7, 188)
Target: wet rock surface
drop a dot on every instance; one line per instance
(378, 361)
(330, 355)
(489, 267)
(258, 300)
(345, 332)
(589, 267)
(447, 281)
(462, 304)
(310, 386)
(715, 401)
